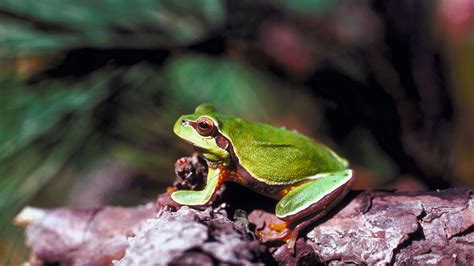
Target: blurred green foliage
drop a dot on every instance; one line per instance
(40, 26)
(309, 6)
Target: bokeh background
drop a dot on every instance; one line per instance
(89, 91)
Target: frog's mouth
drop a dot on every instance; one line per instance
(197, 148)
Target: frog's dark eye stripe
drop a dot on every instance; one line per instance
(204, 126)
(222, 142)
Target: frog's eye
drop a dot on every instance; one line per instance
(205, 126)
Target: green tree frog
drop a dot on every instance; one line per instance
(304, 175)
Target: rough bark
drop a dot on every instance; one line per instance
(368, 227)
(371, 227)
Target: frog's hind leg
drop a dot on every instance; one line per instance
(310, 201)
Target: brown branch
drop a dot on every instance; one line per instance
(368, 227)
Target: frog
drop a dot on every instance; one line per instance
(306, 177)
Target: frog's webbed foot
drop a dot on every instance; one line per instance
(277, 232)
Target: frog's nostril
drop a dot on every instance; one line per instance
(184, 122)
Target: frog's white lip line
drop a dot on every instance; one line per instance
(194, 145)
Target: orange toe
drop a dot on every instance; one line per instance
(284, 235)
(278, 227)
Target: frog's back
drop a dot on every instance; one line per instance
(276, 155)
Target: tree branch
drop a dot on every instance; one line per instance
(368, 227)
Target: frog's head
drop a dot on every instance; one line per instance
(202, 130)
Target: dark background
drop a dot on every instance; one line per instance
(89, 91)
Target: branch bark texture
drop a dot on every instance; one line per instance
(369, 227)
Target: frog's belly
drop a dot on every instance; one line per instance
(274, 191)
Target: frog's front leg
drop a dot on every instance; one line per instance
(311, 200)
(201, 197)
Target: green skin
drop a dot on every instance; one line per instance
(306, 176)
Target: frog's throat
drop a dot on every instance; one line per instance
(216, 155)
